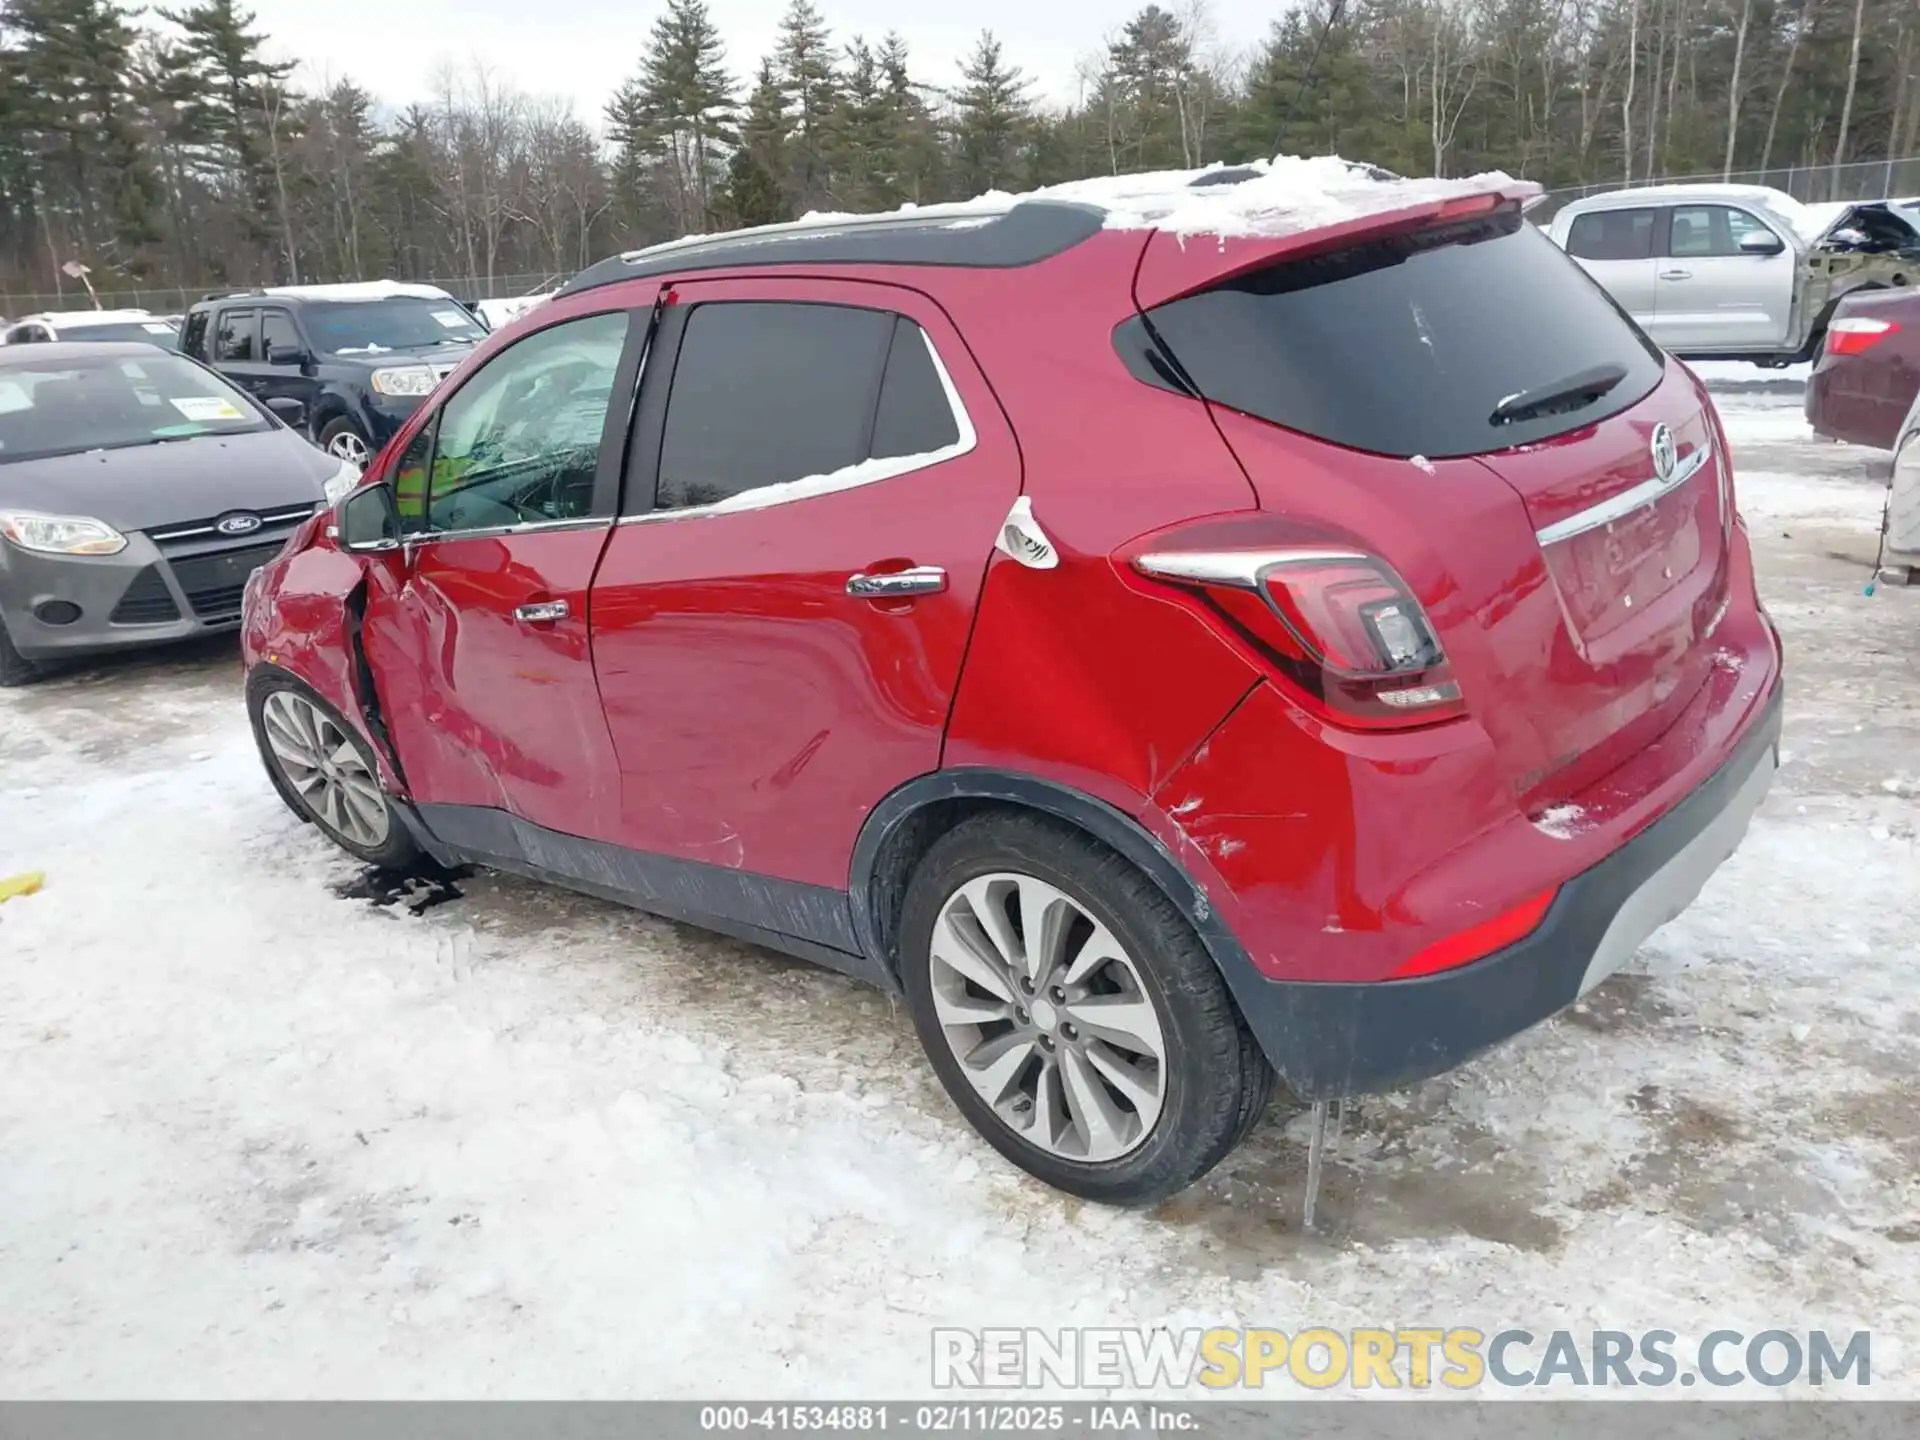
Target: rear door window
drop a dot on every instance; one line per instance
(1612, 235)
(234, 337)
(765, 393)
(1409, 344)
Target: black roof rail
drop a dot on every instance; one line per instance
(1025, 233)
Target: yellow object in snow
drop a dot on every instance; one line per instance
(16, 886)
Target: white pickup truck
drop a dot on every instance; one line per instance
(1736, 272)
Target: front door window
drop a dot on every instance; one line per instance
(519, 444)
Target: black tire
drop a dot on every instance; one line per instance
(339, 426)
(14, 668)
(397, 851)
(1217, 1082)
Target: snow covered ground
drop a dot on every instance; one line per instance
(259, 1139)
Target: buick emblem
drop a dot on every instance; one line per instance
(1666, 454)
(241, 524)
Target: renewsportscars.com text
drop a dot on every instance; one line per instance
(1409, 1358)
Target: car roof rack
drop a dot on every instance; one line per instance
(229, 294)
(966, 235)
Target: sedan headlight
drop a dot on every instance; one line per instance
(61, 534)
(340, 484)
(407, 380)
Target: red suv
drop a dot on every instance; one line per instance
(1168, 660)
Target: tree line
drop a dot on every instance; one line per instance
(164, 147)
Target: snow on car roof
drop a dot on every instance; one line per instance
(1282, 196)
(69, 319)
(360, 290)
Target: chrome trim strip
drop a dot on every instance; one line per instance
(1231, 567)
(1625, 503)
(497, 532)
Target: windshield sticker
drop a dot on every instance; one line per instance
(13, 397)
(154, 327)
(207, 407)
(452, 319)
(131, 369)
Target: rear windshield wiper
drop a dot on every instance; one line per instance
(1560, 396)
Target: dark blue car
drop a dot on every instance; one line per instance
(358, 358)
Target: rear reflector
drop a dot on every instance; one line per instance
(1479, 941)
(1851, 334)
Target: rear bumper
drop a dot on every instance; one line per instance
(1332, 1039)
(1839, 407)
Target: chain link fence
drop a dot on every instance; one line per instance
(174, 300)
(1809, 184)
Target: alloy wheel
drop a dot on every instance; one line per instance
(350, 447)
(1048, 1017)
(322, 763)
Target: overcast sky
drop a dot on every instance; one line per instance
(582, 49)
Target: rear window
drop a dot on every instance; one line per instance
(151, 332)
(1409, 345)
(1612, 235)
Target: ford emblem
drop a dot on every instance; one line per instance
(237, 524)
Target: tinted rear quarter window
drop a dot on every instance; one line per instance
(764, 393)
(915, 417)
(1612, 235)
(1406, 345)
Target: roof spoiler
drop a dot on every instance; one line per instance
(1175, 265)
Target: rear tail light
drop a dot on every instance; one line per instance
(1339, 623)
(1851, 334)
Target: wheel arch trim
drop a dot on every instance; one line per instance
(1106, 823)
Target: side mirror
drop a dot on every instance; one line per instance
(369, 523)
(285, 355)
(287, 408)
(1761, 242)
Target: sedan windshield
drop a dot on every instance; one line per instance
(370, 327)
(69, 406)
(153, 332)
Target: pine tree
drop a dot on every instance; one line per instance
(237, 117)
(675, 119)
(1151, 70)
(78, 133)
(920, 157)
(867, 159)
(753, 193)
(991, 117)
(812, 89)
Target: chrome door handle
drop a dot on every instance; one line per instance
(543, 613)
(920, 580)
(1676, 274)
